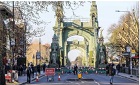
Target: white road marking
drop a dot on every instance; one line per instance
(82, 82)
(128, 78)
(70, 81)
(97, 82)
(77, 83)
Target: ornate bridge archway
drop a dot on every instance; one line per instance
(82, 27)
(79, 45)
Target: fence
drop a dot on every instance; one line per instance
(135, 71)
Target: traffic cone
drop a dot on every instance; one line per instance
(59, 77)
(37, 78)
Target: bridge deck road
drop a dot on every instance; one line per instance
(99, 79)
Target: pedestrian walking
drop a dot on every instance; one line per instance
(29, 74)
(118, 68)
(44, 66)
(111, 72)
(24, 69)
(107, 69)
(20, 70)
(7, 68)
(69, 70)
(75, 69)
(32, 67)
(38, 68)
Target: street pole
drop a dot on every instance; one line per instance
(36, 62)
(40, 48)
(130, 67)
(33, 59)
(130, 59)
(36, 58)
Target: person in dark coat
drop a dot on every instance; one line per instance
(32, 67)
(44, 66)
(29, 70)
(117, 69)
(20, 70)
(38, 68)
(24, 69)
(7, 68)
(75, 69)
(111, 72)
(15, 67)
(107, 69)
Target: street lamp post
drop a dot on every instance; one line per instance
(33, 59)
(38, 56)
(128, 46)
(128, 49)
(40, 48)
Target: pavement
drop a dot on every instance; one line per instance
(132, 77)
(23, 79)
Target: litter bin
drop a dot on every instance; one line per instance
(79, 75)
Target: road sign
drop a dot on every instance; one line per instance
(125, 53)
(38, 56)
(50, 71)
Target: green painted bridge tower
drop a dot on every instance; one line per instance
(87, 28)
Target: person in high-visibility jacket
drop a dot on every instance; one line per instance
(79, 75)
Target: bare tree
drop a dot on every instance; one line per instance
(126, 30)
(29, 13)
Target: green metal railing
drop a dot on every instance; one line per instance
(83, 70)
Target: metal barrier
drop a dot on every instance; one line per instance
(127, 70)
(135, 71)
(83, 70)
